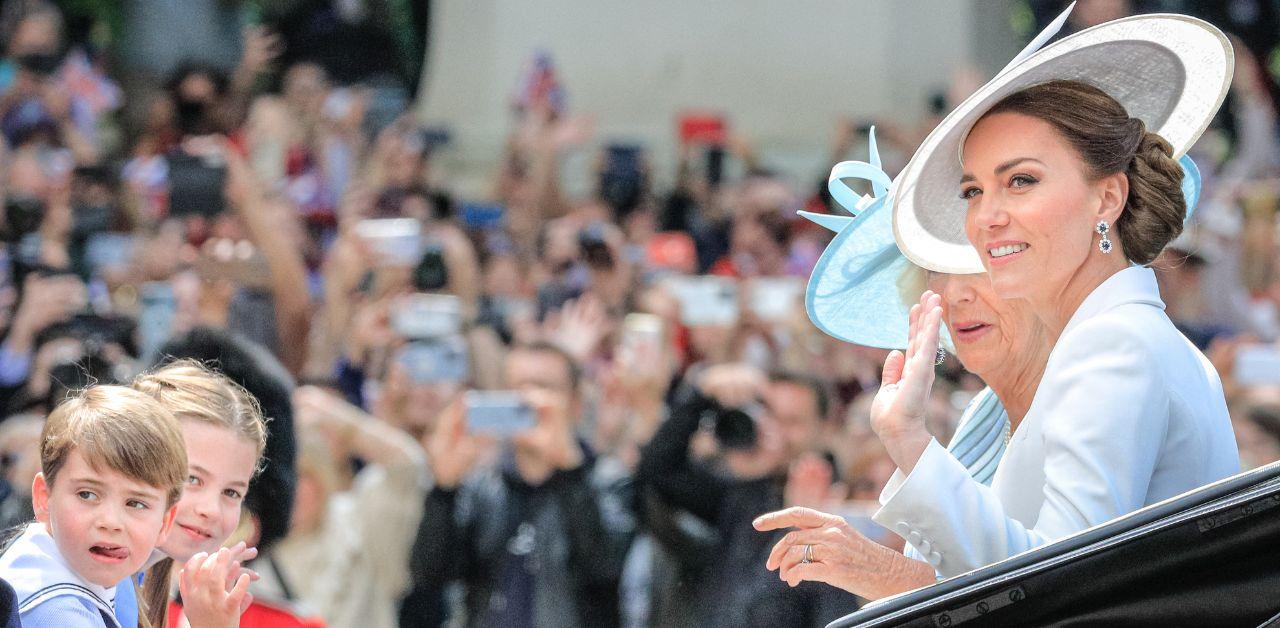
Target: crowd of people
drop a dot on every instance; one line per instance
(263, 223)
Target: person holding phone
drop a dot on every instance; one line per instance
(520, 513)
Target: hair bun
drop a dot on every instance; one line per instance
(1156, 208)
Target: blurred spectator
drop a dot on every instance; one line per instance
(20, 452)
(758, 428)
(529, 527)
(344, 557)
(48, 98)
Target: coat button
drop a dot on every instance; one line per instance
(914, 538)
(903, 528)
(924, 548)
(934, 558)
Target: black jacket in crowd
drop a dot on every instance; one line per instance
(535, 556)
(720, 557)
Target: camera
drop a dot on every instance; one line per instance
(432, 272)
(735, 428)
(22, 216)
(196, 185)
(594, 246)
(42, 64)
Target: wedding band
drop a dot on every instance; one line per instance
(939, 357)
(808, 554)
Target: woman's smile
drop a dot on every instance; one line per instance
(1005, 251)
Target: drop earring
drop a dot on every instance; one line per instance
(1103, 229)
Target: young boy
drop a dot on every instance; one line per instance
(113, 464)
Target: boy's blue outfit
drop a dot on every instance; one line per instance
(48, 592)
(127, 602)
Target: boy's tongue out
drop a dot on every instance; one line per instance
(111, 552)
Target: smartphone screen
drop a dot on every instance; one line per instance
(196, 186)
(702, 128)
(393, 241)
(435, 362)
(1257, 365)
(497, 413)
(774, 299)
(155, 319)
(105, 251)
(421, 316)
(706, 301)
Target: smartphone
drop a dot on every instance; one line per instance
(640, 329)
(438, 361)
(196, 185)
(622, 179)
(706, 301)
(237, 261)
(483, 216)
(715, 165)
(774, 299)
(155, 318)
(702, 127)
(1257, 365)
(421, 316)
(108, 251)
(499, 413)
(394, 241)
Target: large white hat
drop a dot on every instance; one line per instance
(1172, 71)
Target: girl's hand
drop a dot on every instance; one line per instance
(207, 600)
(898, 410)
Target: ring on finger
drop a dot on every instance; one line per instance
(808, 554)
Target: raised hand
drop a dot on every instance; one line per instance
(261, 48)
(207, 600)
(898, 410)
(451, 451)
(552, 439)
(733, 385)
(580, 327)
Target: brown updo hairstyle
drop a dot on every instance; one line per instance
(1109, 141)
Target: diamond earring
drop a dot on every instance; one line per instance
(1104, 244)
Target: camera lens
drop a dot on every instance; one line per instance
(22, 215)
(595, 249)
(735, 428)
(432, 273)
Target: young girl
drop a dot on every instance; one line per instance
(225, 435)
(112, 465)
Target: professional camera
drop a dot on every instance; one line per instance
(735, 428)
